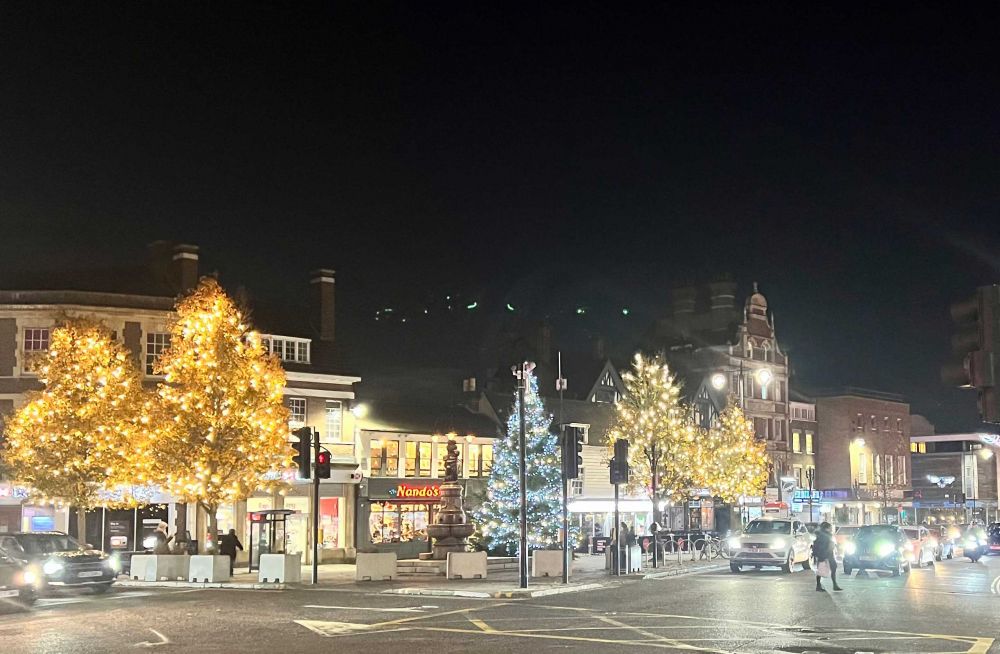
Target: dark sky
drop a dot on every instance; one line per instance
(845, 158)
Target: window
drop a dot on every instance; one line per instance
(392, 459)
(760, 428)
(796, 441)
(901, 470)
(418, 459)
(398, 523)
(480, 460)
(877, 469)
(287, 348)
(576, 485)
(809, 443)
(799, 475)
(922, 448)
(334, 420)
(860, 424)
(885, 423)
(376, 458)
(297, 411)
(156, 343)
(384, 458)
(899, 424)
(862, 468)
(913, 447)
(36, 343)
(890, 472)
(871, 422)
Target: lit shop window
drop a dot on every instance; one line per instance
(398, 523)
(36, 344)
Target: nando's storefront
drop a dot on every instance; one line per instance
(393, 513)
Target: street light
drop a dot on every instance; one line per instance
(860, 442)
(718, 381)
(764, 376)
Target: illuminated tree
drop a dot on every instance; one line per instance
(223, 431)
(732, 461)
(660, 431)
(498, 515)
(83, 434)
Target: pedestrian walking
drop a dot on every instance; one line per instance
(228, 545)
(824, 556)
(162, 544)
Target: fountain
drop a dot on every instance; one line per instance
(450, 528)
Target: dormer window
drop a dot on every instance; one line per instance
(287, 348)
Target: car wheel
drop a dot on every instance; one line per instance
(897, 569)
(807, 564)
(101, 589)
(937, 557)
(789, 562)
(847, 568)
(735, 567)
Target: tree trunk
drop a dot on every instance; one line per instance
(211, 541)
(81, 525)
(655, 495)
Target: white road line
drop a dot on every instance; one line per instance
(366, 608)
(148, 643)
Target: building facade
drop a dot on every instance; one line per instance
(863, 454)
(955, 478)
(137, 306)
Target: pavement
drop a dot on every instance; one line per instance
(951, 607)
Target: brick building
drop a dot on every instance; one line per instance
(863, 455)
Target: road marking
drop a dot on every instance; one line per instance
(480, 624)
(365, 608)
(326, 628)
(995, 586)
(163, 640)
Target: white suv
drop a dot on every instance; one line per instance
(776, 542)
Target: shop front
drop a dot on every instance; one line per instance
(393, 514)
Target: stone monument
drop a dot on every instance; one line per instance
(450, 529)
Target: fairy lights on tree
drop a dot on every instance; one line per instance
(734, 461)
(222, 426)
(86, 431)
(660, 431)
(497, 516)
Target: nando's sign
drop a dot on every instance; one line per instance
(408, 492)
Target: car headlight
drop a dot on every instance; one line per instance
(114, 563)
(52, 567)
(734, 542)
(29, 577)
(908, 546)
(932, 542)
(850, 547)
(779, 544)
(884, 549)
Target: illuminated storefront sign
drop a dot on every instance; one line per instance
(13, 492)
(408, 492)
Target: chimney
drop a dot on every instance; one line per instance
(723, 296)
(322, 281)
(185, 267)
(683, 300)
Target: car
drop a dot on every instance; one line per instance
(61, 560)
(17, 582)
(947, 541)
(923, 546)
(770, 542)
(878, 547)
(993, 538)
(844, 535)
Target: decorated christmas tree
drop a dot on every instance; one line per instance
(498, 516)
(733, 461)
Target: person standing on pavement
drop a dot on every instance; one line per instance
(162, 544)
(823, 553)
(228, 545)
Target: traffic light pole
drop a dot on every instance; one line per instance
(619, 537)
(523, 478)
(565, 509)
(315, 511)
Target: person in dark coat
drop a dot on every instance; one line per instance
(823, 549)
(228, 545)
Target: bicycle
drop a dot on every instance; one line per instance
(712, 547)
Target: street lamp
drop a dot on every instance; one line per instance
(764, 376)
(860, 442)
(718, 381)
(522, 372)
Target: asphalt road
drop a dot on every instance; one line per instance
(953, 607)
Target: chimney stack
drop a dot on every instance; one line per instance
(683, 300)
(185, 267)
(323, 281)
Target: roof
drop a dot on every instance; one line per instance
(427, 418)
(866, 393)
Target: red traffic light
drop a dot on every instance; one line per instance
(323, 457)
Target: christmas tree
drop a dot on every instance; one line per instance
(733, 461)
(498, 515)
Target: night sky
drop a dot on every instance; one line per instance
(576, 155)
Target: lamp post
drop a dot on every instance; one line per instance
(521, 372)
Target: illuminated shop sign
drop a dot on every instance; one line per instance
(408, 492)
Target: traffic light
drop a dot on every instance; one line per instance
(323, 463)
(977, 342)
(619, 464)
(302, 448)
(572, 451)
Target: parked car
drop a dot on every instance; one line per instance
(878, 547)
(774, 542)
(62, 561)
(922, 546)
(17, 582)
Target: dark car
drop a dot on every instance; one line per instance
(61, 560)
(993, 538)
(879, 547)
(17, 582)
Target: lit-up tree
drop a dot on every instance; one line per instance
(223, 426)
(732, 461)
(83, 434)
(660, 431)
(498, 515)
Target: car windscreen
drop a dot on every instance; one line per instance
(47, 543)
(847, 531)
(768, 527)
(912, 534)
(876, 531)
